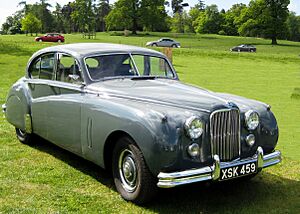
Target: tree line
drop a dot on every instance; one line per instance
(260, 18)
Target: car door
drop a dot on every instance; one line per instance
(164, 43)
(57, 100)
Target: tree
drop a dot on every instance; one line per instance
(102, 10)
(265, 18)
(69, 24)
(276, 14)
(26, 7)
(31, 24)
(83, 15)
(58, 18)
(200, 5)
(293, 25)
(231, 19)
(209, 21)
(124, 15)
(153, 15)
(177, 6)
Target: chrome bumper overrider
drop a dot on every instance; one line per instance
(3, 108)
(168, 180)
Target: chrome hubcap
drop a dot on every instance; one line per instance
(127, 170)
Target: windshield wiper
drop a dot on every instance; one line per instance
(143, 78)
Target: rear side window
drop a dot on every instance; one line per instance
(34, 69)
(47, 67)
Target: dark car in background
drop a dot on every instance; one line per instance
(244, 48)
(164, 42)
(50, 37)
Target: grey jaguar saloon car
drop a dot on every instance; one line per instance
(124, 108)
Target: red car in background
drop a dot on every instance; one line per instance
(50, 37)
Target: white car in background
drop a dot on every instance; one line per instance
(164, 42)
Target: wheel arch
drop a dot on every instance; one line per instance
(109, 145)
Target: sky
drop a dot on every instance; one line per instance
(8, 7)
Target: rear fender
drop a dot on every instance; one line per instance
(18, 106)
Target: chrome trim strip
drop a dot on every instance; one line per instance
(55, 83)
(168, 180)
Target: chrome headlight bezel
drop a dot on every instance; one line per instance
(194, 127)
(251, 120)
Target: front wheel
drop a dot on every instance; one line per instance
(132, 177)
(24, 137)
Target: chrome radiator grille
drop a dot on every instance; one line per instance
(225, 134)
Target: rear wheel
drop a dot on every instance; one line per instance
(24, 137)
(132, 177)
(59, 41)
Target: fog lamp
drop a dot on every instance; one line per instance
(194, 150)
(250, 140)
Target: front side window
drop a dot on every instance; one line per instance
(68, 69)
(121, 65)
(153, 66)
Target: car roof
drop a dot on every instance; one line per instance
(88, 49)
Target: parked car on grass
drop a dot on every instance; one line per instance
(124, 108)
(164, 42)
(50, 37)
(244, 48)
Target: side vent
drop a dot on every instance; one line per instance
(89, 132)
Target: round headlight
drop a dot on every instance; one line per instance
(251, 119)
(193, 127)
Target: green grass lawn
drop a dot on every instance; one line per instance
(44, 178)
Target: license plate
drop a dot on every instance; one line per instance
(238, 171)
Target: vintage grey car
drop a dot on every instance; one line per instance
(123, 108)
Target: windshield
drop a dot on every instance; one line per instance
(122, 65)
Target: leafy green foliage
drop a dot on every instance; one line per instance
(83, 15)
(124, 15)
(209, 21)
(31, 24)
(293, 25)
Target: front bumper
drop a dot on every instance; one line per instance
(168, 180)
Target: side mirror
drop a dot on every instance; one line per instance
(74, 77)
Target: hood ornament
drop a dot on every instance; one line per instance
(231, 104)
